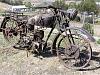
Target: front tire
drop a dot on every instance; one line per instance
(73, 49)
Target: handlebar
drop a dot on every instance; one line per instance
(71, 13)
(52, 7)
(48, 7)
(55, 9)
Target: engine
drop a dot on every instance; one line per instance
(38, 36)
(34, 41)
(44, 20)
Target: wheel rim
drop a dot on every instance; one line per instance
(10, 32)
(74, 56)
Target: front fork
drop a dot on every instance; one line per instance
(69, 36)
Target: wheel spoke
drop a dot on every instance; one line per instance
(75, 56)
(10, 31)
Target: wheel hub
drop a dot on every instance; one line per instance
(72, 51)
(10, 32)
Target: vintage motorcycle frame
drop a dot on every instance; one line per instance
(64, 30)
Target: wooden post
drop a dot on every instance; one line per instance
(83, 18)
(92, 13)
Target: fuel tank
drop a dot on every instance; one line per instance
(44, 20)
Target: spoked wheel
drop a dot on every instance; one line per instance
(10, 31)
(74, 51)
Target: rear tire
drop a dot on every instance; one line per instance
(9, 31)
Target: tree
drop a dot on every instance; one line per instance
(88, 5)
(60, 4)
(13, 2)
(28, 4)
(72, 5)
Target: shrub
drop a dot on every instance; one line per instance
(89, 20)
(13, 2)
(60, 4)
(89, 28)
(72, 5)
(98, 41)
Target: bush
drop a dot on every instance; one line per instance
(89, 20)
(2, 14)
(13, 2)
(88, 5)
(89, 28)
(72, 5)
(60, 4)
(98, 41)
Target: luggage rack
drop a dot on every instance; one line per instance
(16, 15)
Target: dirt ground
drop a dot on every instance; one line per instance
(16, 62)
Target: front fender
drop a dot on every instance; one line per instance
(84, 33)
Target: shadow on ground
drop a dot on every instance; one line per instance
(94, 63)
(45, 54)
